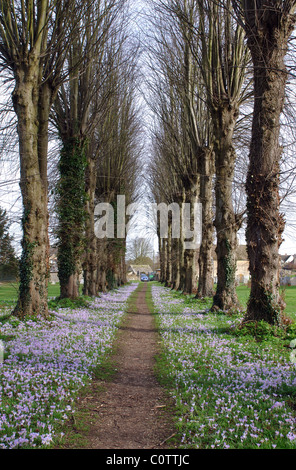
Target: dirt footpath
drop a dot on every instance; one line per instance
(133, 410)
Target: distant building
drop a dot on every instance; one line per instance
(242, 274)
(288, 270)
(134, 271)
(53, 268)
(290, 264)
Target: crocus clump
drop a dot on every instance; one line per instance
(230, 392)
(46, 362)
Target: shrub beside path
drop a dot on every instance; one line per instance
(132, 411)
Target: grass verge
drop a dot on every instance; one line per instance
(232, 388)
(170, 412)
(49, 363)
(9, 292)
(77, 428)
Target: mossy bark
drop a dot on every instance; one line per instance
(267, 35)
(34, 263)
(90, 264)
(71, 213)
(224, 120)
(161, 244)
(168, 257)
(102, 265)
(205, 262)
(175, 263)
(191, 254)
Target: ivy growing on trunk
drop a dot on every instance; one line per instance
(71, 214)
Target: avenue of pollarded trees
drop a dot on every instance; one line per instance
(214, 76)
(213, 61)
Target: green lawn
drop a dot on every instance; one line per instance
(234, 387)
(288, 293)
(8, 292)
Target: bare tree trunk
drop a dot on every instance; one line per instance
(168, 280)
(170, 253)
(123, 264)
(190, 254)
(267, 40)
(182, 266)
(165, 249)
(162, 255)
(110, 271)
(225, 222)
(175, 264)
(182, 284)
(90, 262)
(205, 281)
(189, 270)
(34, 264)
(161, 251)
(71, 288)
(116, 251)
(102, 265)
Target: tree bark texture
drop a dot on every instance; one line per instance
(191, 254)
(168, 276)
(175, 264)
(205, 280)
(34, 263)
(224, 120)
(102, 264)
(182, 264)
(267, 34)
(71, 212)
(90, 264)
(162, 259)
